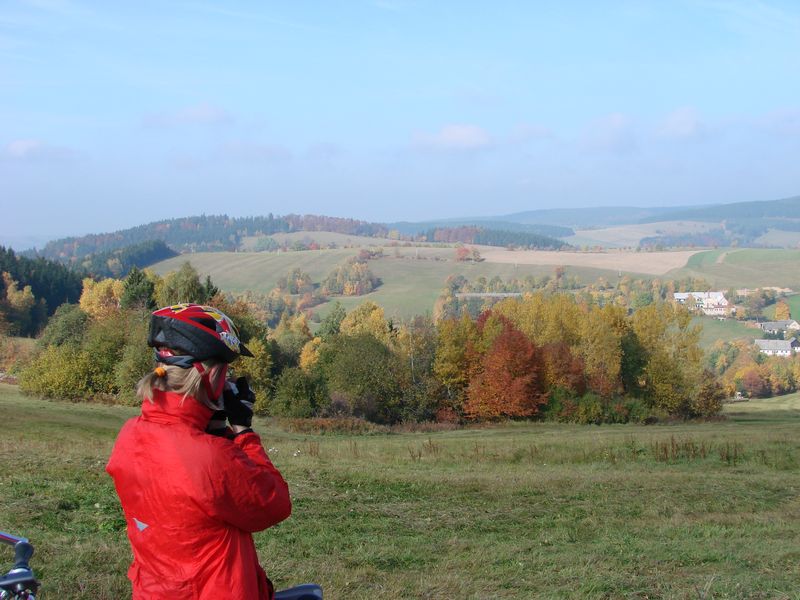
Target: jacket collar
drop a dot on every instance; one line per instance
(169, 407)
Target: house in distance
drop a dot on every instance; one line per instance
(713, 304)
(778, 347)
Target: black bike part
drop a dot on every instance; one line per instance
(307, 591)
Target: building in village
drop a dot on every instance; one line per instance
(778, 347)
(713, 304)
(775, 327)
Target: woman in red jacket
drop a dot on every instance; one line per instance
(192, 499)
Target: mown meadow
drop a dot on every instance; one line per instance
(689, 510)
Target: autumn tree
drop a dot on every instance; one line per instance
(369, 318)
(101, 299)
(782, 312)
(454, 357)
(509, 381)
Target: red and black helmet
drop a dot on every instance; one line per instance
(202, 332)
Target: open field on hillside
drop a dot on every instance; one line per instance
(412, 277)
(650, 263)
(624, 236)
(727, 331)
(748, 267)
(777, 237)
(517, 511)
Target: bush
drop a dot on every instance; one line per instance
(297, 394)
(66, 326)
(61, 372)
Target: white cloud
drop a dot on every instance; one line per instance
(198, 114)
(612, 133)
(35, 150)
(455, 137)
(683, 123)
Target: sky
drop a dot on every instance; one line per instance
(116, 114)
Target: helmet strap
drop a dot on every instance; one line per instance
(215, 391)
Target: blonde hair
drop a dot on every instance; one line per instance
(187, 382)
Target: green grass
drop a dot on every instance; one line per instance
(727, 331)
(516, 511)
(413, 277)
(744, 268)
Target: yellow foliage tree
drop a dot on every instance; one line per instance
(309, 355)
(100, 299)
(782, 312)
(367, 318)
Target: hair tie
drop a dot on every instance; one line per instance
(160, 372)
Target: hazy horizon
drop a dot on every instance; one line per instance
(387, 110)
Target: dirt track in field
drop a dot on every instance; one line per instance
(651, 263)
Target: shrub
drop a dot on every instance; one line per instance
(61, 372)
(297, 394)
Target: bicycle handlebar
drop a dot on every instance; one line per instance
(19, 582)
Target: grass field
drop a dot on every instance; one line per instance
(744, 268)
(412, 277)
(522, 511)
(726, 331)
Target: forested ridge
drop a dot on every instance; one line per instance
(212, 233)
(202, 233)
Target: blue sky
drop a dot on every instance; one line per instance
(114, 114)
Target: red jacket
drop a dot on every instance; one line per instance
(191, 501)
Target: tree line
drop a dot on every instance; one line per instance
(31, 290)
(542, 356)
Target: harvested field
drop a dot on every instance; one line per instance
(650, 263)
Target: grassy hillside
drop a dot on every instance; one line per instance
(727, 331)
(623, 236)
(412, 277)
(741, 268)
(519, 511)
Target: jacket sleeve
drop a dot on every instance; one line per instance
(244, 488)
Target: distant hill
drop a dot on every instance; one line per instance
(582, 218)
(203, 233)
(420, 227)
(784, 209)
(741, 223)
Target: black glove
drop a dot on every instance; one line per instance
(239, 400)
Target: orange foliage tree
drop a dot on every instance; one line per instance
(509, 381)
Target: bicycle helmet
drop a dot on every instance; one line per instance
(201, 332)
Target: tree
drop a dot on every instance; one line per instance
(101, 299)
(138, 291)
(258, 370)
(332, 322)
(20, 304)
(181, 286)
(361, 371)
(309, 355)
(509, 382)
(455, 357)
(369, 318)
(298, 394)
(782, 312)
(66, 327)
